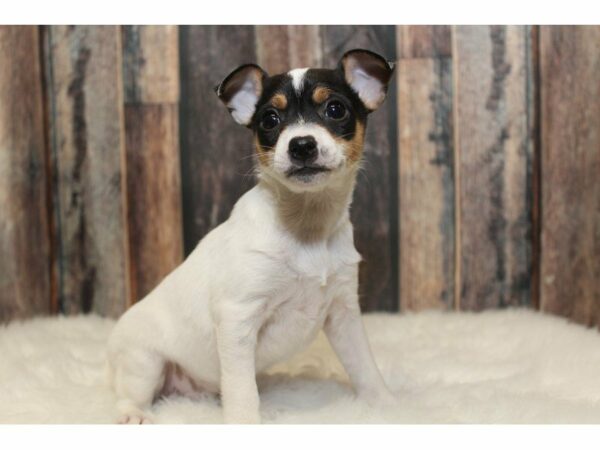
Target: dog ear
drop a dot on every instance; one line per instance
(368, 74)
(240, 91)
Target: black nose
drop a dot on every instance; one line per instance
(303, 149)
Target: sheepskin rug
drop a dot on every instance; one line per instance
(510, 366)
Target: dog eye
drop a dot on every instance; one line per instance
(335, 110)
(270, 120)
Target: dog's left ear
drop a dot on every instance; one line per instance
(368, 74)
(240, 91)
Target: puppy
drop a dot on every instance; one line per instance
(259, 287)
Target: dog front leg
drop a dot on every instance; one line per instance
(346, 333)
(236, 343)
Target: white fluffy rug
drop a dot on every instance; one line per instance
(513, 366)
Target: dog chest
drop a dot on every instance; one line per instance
(308, 280)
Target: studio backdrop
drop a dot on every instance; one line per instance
(480, 186)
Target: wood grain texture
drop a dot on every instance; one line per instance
(426, 183)
(88, 159)
(216, 152)
(151, 77)
(25, 288)
(151, 64)
(536, 170)
(374, 210)
(424, 41)
(154, 190)
(493, 146)
(570, 137)
(280, 48)
(305, 46)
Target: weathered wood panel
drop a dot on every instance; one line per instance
(151, 78)
(85, 100)
(426, 182)
(216, 153)
(536, 169)
(280, 48)
(570, 137)
(25, 287)
(151, 64)
(374, 211)
(493, 150)
(154, 190)
(424, 41)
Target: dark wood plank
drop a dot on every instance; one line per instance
(151, 68)
(280, 48)
(493, 148)
(25, 285)
(88, 158)
(426, 182)
(570, 138)
(216, 152)
(374, 211)
(424, 41)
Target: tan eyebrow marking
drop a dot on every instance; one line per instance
(279, 101)
(320, 94)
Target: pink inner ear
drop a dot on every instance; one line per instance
(365, 78)
(372, 64)
(241, 93)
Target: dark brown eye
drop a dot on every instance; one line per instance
(270, 120)
(335, 110)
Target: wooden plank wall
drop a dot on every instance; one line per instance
(493, 142)
(426, 169)
(85, 101)
(151, 80)
(25, 250)
(216, 164)
(479, 188)
(570, 168)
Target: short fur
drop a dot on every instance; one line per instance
(259, 287)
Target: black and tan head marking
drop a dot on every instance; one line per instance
(279, 101)
(337, 100)
(320, 94)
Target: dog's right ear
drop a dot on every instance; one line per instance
(240, 91)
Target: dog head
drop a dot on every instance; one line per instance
(308, 124)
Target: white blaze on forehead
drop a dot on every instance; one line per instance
(297, 78)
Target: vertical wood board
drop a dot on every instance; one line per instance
(25, 286)
(426, 183)
(493, 147)
(88, 159)
(216, 152)
(570, 137)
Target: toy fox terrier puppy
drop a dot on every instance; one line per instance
(259, 287)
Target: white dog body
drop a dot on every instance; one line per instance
(259, 287)
(249, 270)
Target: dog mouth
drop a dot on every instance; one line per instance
(306, 171)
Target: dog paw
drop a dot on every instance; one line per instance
(134, 419)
